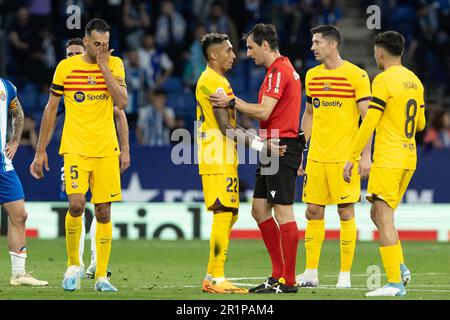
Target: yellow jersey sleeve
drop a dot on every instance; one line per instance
(57, 86)
(370, 122)
(380, 94)
(307, 80)
(118, 72)
(362, 86)
(421, 122)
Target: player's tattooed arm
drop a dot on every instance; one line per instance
(17, 128)
(17, 122)
(235, 134)
(242, 136)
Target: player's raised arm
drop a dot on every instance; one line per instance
(17, 128)
(123, 132)
(116, 85)
(48, 120)
(239, 135)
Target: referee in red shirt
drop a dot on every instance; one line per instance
(278, 108)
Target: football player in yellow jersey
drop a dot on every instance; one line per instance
(337, 95)
(397, 112)
(218, 161)
(74, 47)
(92, 84)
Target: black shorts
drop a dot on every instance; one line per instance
(279, 188)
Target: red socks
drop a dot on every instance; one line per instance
(289, 243)
(271, 236)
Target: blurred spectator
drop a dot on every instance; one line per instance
(155, 121)
(201, 8)
(136, 21)
(195, 62)
(40, 13)
(155, 62)
(137, 87)
(170, 34)
(326, 12)
(170, 26)
(20, 35)
(437, 136)
(220, 22)
(29, 134)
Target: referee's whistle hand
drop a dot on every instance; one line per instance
(348, 171)
(219, 100)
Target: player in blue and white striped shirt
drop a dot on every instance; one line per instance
(11, 191)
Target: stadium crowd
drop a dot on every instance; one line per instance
(160, 44)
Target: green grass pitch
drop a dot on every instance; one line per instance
(172, 270)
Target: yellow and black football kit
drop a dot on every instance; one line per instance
(89, 142)
(217, 154)
(397, 111)
(334, 96)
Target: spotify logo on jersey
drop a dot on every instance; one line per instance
(316, 102)
(79, 96)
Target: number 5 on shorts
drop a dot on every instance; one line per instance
(74, 172)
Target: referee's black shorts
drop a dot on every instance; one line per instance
(279, 188)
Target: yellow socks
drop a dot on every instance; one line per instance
(218, 243)
(402, 260)
(314, 235)
(103, 239)
(233, 221)
(391, 261)
(73, 234)
(348, 244)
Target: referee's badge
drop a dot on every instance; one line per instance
(2, 95)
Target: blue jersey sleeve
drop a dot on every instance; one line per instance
(11, 91)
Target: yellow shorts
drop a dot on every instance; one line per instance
(388, 184)
(102, 175)
(324, 184)
(221, 189)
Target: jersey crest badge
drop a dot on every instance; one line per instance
(92, 80)
(2, 96)
(326, 86)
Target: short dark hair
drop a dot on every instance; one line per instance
(392, 41)
(330, 32)
(261, 32)
(98, 25)
(159, 92)
(75, 41)
(211, 39)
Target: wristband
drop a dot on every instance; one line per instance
(257, 145)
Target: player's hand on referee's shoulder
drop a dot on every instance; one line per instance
(272, 147)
